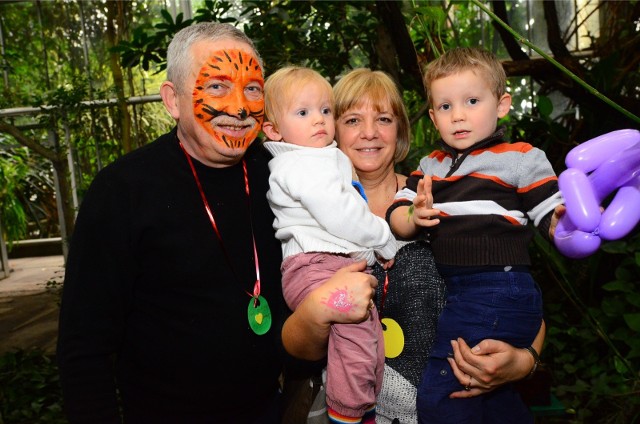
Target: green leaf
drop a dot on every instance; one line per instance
(615, 247)
(621, 286)
(167, 16)
(620, 366)
(612, 306)
(545, 106)
(633, 299)
(633, 321)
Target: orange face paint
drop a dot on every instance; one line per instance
(228, 99)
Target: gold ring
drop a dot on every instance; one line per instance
(468, 386)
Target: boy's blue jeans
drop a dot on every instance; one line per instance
(505, 306)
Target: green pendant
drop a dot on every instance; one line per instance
(259, 316)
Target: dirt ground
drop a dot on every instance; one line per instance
(28, 307)
(29, 321)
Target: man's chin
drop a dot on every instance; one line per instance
(233, 150)
(233, 142)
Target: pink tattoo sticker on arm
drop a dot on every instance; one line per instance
(340, 301)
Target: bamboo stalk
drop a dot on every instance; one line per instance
(557, 64)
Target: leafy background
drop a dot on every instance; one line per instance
(84, 93)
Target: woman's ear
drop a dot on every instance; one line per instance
(271, 131)
(170, 99)
(504, 105)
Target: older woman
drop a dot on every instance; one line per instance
(372, 129)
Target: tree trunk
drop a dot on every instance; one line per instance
(390, 14)
(114, 16)
(512, 45)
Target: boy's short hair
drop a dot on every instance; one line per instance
(282, 83)
(482, 62)
(363, 84)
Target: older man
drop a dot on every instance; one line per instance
(172, 308)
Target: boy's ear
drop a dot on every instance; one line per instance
(432, 115)
(504, 105)
(271, 131)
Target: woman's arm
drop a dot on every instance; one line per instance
(491, 363)
(344, 298)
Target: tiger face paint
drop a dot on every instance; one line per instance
(228, 99)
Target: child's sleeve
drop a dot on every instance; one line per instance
(538, 188)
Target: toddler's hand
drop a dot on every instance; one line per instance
(422, 210)
(386, 265)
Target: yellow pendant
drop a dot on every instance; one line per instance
(393, 338)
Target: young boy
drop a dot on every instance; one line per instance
(324, 224)
(484, 191)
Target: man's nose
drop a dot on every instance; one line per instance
(237, 105)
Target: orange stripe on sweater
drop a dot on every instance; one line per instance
(506, 147)
(474, 175)
(511, 220)
(536, 184)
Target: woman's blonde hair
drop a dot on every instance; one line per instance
(362, 86)
(284, 82)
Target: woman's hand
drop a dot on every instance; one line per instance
(487, 366)
(491, 363)
(345, 298)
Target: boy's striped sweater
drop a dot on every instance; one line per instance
(486, 194)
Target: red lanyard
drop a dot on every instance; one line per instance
(385, 289)
(256, 286)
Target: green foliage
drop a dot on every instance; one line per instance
(149, 46)
(29, 389)
(593, 347)
(592, 305)
(330, 37)
(27, 203)
(12, 173)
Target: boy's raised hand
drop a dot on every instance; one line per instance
(423, 213)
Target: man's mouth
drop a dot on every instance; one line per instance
(232, 127)
(232, 130)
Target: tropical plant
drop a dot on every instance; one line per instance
(570, 85)
(29, 389)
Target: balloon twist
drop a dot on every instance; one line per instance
(595, 169)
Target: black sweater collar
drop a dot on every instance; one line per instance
(458, 156)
